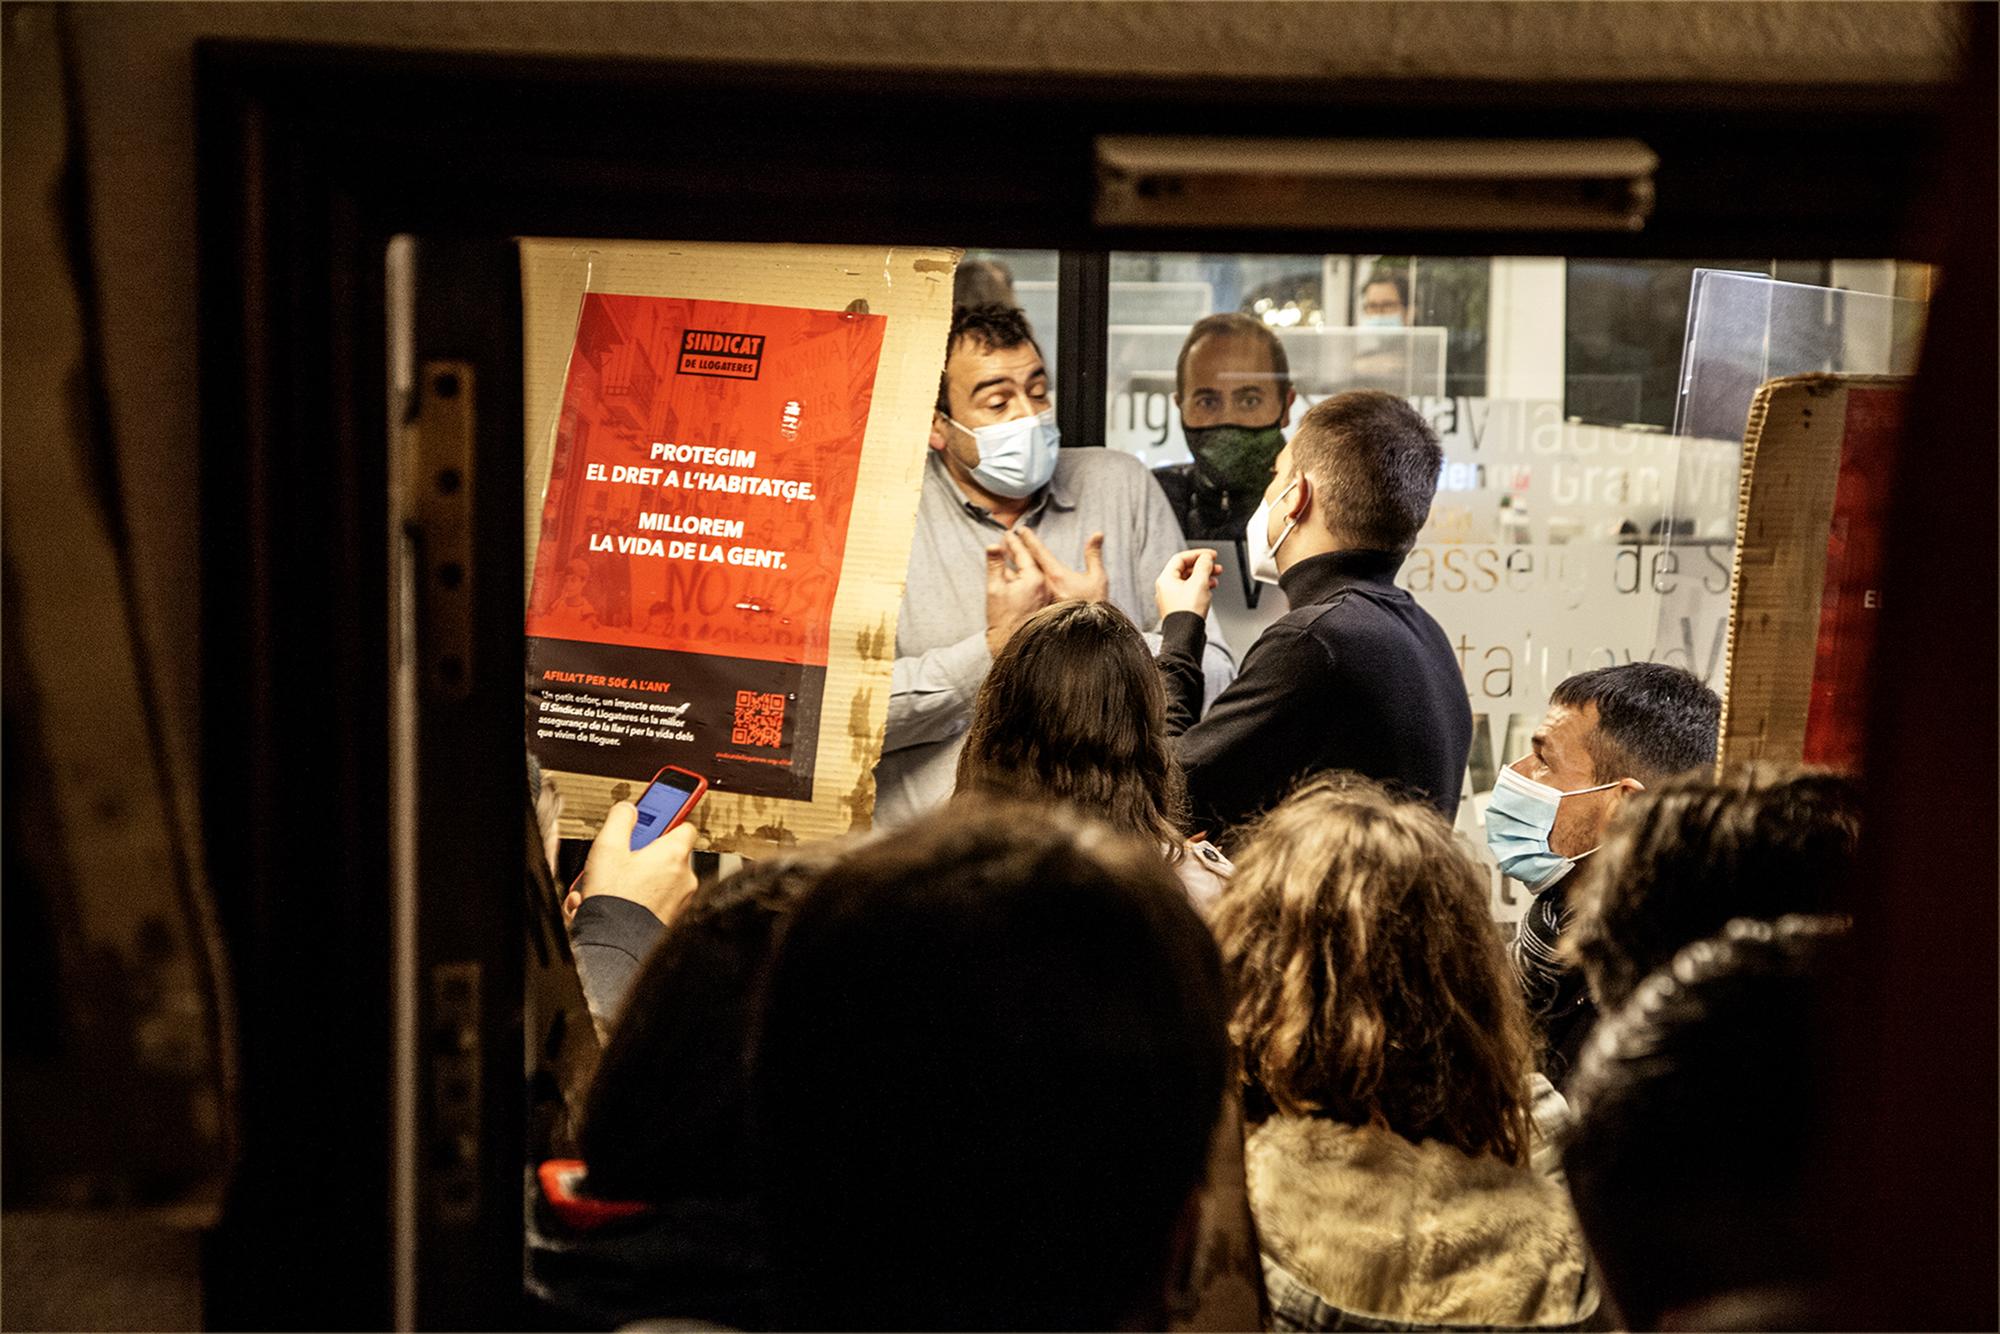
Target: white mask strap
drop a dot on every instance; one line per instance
(974, 431)
(1573, 792)
(1290, 521)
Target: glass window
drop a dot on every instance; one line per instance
(1414, 326)
(1571, 528)
(1155, 299)
(1436, 293)
(1024, 278)
(1624, 323)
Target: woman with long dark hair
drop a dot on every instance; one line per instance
(1073, 711)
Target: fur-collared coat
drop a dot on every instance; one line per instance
(1361, 1229)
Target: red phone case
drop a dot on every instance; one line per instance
(700, 790)
(565, 1186)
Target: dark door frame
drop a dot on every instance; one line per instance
(312, 157)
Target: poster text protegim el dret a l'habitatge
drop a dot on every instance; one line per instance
(692, 538)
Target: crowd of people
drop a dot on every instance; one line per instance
(1149, 939)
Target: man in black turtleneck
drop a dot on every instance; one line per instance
(1356, 675)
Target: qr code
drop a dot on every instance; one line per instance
(760, 720)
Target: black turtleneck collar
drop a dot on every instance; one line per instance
(1317, 578)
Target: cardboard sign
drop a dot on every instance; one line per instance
(1851, 592)
(1803, 596)
(725, 454)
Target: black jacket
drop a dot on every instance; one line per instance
(1558, 1000)
(610, 938)
(1355, 676)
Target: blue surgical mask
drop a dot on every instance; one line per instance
(1017, 456)
(1380, 322)
(1520, 815)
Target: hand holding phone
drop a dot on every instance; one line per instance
(649, 861)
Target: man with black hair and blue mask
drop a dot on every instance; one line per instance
(1008, 522)
(1610, 734)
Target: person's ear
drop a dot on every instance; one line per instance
(1303, 498)
(1627, 787)
(1177, 400)
(1291, 397)
(940, 430)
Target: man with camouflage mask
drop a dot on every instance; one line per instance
(1233, 387)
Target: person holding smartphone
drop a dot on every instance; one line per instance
(639, 875)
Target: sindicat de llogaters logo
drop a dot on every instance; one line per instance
(732, 356)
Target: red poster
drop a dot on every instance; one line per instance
(692, 536)
(1836, 718)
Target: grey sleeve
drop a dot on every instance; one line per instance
(1160, 537)
(931, 694)
(1549, 1119)
(1218, 668)
(610, 938)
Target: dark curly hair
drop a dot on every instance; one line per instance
(1073, 711)
(1371, 986)
(1688, 856)
(1701, 1108)
(992, 327)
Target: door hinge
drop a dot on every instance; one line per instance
(437, 486)
(457, 1072)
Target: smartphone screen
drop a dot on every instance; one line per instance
(664, 799)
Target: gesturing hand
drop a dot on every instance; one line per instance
(1188, 582)
(1014, 592)
(1090, 584)
(658, 877)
